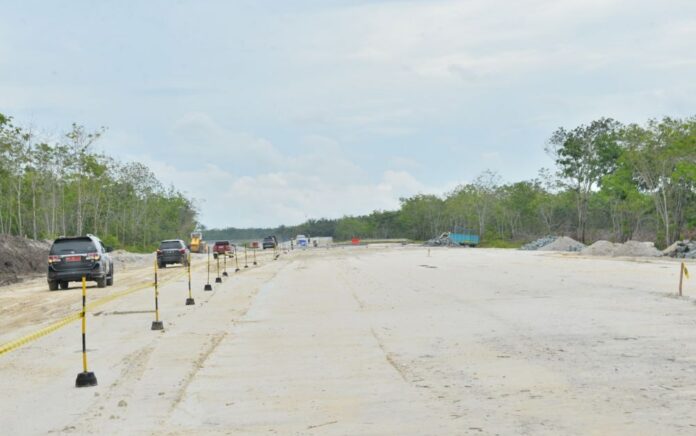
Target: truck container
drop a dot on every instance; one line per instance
(467, 239)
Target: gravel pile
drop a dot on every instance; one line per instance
(442, 241)
(541, 242)
(629, 249)
(685, 249)
(563, 243)
(123, 259)
(554, 243)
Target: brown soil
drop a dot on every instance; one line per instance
(20, 257)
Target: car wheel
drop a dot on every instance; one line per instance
(53, 285)
(215, 255)
(64, 285)
(161, 265)
(101, 283)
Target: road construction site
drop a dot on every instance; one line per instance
(363, 340)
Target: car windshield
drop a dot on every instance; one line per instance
(222, 243)
(73, 246)
(170, 244)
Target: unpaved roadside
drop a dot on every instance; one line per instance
(28, 305)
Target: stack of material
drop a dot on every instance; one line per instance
(629, 249)
(442, 241)
(685, 249)
(123, 260)
(563, 243)
(554, 243)
(541, 242)
(21, 257)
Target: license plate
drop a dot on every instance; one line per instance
(73, 258)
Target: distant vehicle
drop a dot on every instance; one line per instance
(302, 241)
(197, 245)
(70, 258)
(172, 251)
(270, 242)
(466, 238)
(223, 248)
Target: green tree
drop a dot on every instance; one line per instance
(584, 155)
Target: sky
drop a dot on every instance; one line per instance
(274, 112)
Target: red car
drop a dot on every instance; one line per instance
(223, 248)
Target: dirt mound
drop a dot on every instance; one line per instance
(563, 243)
(20, 257)
(554, 243)
(123, 259)
(541, 242)
(629, 249)
(685, 249)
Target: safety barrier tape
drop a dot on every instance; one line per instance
(13, 345)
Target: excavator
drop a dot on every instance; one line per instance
(198, 245)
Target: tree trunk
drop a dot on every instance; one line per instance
(33, 206)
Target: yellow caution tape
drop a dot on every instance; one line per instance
(13, 345)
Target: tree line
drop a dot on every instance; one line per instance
(611, 181)
(66, 188)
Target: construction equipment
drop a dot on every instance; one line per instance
(198, 245)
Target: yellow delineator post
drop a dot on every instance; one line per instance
(246, 262)
(254, 250)
(224, 269)
(683, 272)
(189, 301)
(208, 286)
(236, 261)
(85, 378)
(218, 279)
(157, 324)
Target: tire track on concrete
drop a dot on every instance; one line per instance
(215, 341)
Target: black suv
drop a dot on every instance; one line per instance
(172, 251)
(71, 258)
(270, 242)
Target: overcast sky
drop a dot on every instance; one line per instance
(273, 112)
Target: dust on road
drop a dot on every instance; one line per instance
(388, 341)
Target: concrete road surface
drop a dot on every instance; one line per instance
(377, 341)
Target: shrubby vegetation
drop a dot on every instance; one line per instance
(611, 181)
(65, 188)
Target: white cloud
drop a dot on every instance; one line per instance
(316, 181)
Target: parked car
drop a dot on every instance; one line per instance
(172, 251)
(270, 242)
(71, 258)
(223, 248)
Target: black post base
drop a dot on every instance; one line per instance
(190, 302)
(224, 274)
(255, 263)
(208, 287)
(85, 379)
(246, 266)
(237, 270)
(218, 279)
(157, 325)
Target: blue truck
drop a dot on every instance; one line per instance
(465, 238)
